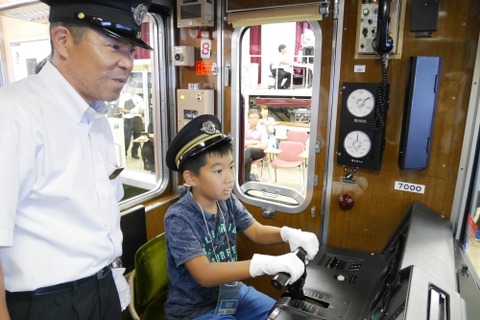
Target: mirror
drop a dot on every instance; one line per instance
(275, 113)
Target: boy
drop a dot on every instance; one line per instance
(201, 234)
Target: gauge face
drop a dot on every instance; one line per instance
(360, 102)
(357, 144)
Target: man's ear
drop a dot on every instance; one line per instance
(61, 40)
(190, 178)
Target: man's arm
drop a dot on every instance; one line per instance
(3, 303)
(255, 144)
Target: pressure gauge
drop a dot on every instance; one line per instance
(357, 144)
(360, 102)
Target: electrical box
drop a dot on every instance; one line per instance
(195, 13)
(183, 56)
(192, 103)
(367, 28)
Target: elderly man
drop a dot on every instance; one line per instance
(60, 235)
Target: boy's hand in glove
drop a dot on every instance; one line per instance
(298, 238)
(262, 264)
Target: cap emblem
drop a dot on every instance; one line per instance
(209, 127)
(81, 15)
(139, 13)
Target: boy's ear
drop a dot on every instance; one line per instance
(190, 178)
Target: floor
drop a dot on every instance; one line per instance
(287, 177)
(134, 164)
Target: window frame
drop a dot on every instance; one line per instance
(162, 97)
(313, 147)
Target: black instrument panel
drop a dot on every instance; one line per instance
(351, 285)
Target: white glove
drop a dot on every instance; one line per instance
(265, 264)
(298, 238)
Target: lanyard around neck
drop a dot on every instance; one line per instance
(208, 229)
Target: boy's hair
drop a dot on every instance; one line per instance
(196, 162)
(263, 107)
(280, 47)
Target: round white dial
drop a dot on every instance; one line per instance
(357, 144)
(360, 102)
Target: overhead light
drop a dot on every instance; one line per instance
(32, 11)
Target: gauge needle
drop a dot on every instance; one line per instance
(363, 102)
(357, 144)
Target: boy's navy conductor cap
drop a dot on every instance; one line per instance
(120, 19)
(196, 136)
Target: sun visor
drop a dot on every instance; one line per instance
(275, 15)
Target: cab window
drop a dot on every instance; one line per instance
(278, 69)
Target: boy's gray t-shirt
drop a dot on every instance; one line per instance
(187, 238)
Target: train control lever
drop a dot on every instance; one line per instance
(294, 290)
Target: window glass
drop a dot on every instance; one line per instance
(134, 117)
(277, 64)
(132, 120)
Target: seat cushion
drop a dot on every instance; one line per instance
(286, 164)
(151, 278)
(154, 310)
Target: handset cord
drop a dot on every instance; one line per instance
(381, 96)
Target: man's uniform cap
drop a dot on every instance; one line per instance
(197, 136)
(120, 19)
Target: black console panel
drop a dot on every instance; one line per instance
(350, 285)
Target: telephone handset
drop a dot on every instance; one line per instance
(383, 42)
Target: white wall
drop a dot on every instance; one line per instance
(272, 36)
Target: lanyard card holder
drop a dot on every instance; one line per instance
(228, 298)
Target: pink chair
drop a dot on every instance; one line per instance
(297, 135)
(289, 157)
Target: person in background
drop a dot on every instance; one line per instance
(256, 139)
(132, 106)
(267, 121)
(60, 235)
(284, 68)
(201, 234)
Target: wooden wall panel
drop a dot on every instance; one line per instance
(378, 208)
